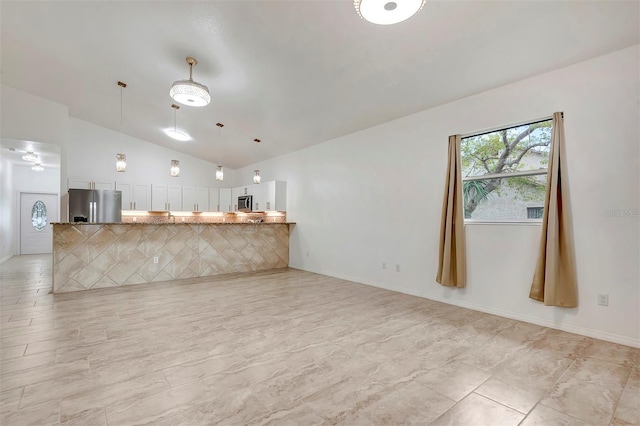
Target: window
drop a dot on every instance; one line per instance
(535, 212)
(505, 172)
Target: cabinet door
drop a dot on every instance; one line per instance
(127, 201)
(159, 197)
(103, 185)
(189, 198)
(141, 196)
(214, 200)
(279, 194)
(260, 197)
(174, 198)
(235, 193)
(80, 184)
(225, 200)
(202, 199)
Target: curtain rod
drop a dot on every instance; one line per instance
(542, 120)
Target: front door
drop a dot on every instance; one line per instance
(36, 212)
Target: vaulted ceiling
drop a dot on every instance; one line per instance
(292, 73)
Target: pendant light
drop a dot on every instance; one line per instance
(256, 176)
(174, 133)
(175, 168)
(121, 159)
(387, 12)
(189, 92)
(219, 168)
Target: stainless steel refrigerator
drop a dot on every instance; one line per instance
(95, 206)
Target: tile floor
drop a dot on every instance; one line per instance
(290, 347)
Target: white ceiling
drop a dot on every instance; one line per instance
(292, 73)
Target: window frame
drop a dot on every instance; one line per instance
(534, 172)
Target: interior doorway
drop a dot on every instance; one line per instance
(37, 211)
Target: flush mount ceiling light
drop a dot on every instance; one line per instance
(174, 133)
(30, 156)
(189, 92)
(387, 12)
(219, 168)
(37, 167)
(121, 159)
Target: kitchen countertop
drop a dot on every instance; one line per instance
(174, 223)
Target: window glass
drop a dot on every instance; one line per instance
(514, 161)
(39, 215)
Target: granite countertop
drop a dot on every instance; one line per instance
(174, 223)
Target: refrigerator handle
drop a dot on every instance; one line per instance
(91, 207)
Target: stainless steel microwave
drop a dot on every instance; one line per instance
(245, 203)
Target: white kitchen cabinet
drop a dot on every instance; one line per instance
(135, 196)
(166, 197)
(239, 191)
(195, 198)
(270, 196)
(224, 199)
(214, 200)
(260, 197)
(82, 183)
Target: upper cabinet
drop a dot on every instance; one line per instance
(135, 196)
(195, 199)
(166, 197)
(224, 200)
(270, 196)
(239, 191)
(82, 183)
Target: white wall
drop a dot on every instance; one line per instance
(24, 116)
(376, 196)
(7, 240)
(92, 155)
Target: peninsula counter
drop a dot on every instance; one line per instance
(90, 256)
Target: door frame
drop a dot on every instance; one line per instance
(18, 223)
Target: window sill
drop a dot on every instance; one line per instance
(522, 222)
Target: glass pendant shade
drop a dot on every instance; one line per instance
(256, 177)
(387, 12)
(121, 162)
(189, 92)
(30, 156)
(175, 168)
(219, 173)
(37, 167)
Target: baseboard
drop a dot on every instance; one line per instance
(569, 328)
(4, 259)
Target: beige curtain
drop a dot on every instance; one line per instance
(554, 281)
(451, 259)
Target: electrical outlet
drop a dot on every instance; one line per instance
(384, 265)
(397, 268)
(156, 259)
(603, 299)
